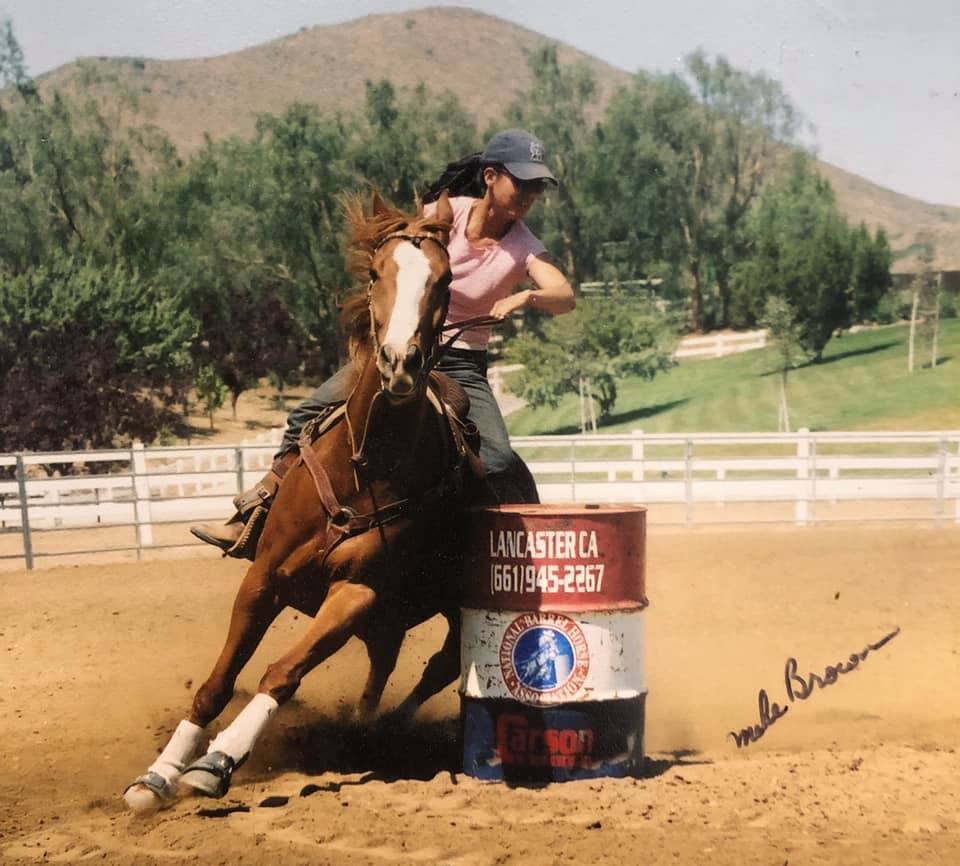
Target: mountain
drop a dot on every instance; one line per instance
(479, 58)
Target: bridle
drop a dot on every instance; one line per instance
(343, 522)
(357, 458)
(417, 240)
(439, 347)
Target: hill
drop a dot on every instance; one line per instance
(480, 58)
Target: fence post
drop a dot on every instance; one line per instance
(573, 470)
(238, 464)
(637, 454)
(956, 485)
(141, 492)
(801, 506)
(812, 515)
(940, 507)
(688, 480)
(24, 512)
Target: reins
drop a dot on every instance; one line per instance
(342, 521)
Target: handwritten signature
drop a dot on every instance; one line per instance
(799, 689)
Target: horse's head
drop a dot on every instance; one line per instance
(407, 295)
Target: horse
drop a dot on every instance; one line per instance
(362, 533)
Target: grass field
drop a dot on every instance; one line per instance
(862, 383)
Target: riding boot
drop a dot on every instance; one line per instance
(239, 535)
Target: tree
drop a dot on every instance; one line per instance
(630, 222)
(211, 390)
(89, 357)
(403, 139)
(593, 347)
(780, 320)
(691, 155)
(799, 247)
(925, 303)
(258, 262)
(748, 119)
(870, 277)
(13, 70)
(555, 109)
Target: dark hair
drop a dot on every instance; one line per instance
(463, 177)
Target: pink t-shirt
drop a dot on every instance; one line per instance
(482, 275)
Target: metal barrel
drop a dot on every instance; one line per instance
(553, 682)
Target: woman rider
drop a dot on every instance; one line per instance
(491, 251)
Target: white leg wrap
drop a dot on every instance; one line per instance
(238, 738)
(183, 746)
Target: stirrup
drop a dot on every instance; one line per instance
(246, 545)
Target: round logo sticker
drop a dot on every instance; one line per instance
(544, 658)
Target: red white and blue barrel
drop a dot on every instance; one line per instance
(553, 679)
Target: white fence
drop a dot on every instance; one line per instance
(802, 478)
(718, 345)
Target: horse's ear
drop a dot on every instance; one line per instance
(377, 204)
(444, 211)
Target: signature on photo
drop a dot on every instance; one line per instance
(800, 688)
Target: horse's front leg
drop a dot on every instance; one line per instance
(338, 618)
(254, 609)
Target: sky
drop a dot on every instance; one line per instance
(878, 80)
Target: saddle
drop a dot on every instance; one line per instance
(448, 397)
(451, 403)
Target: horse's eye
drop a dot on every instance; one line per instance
(374, 276)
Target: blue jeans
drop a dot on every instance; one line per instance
(465, 366)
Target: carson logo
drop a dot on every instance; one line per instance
(544, 658)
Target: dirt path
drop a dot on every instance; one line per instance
(98, 663)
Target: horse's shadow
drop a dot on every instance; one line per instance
(316, 744)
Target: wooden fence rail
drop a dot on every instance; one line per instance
(800, 478)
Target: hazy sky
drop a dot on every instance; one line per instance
(878, 79)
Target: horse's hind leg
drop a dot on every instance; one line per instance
(383, 647)
(339, 617)
(254, 608)
(442, 669)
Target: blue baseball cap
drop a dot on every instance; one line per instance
(519, 152)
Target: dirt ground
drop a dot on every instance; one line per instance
(98, 663)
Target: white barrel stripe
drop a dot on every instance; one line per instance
(589, 656)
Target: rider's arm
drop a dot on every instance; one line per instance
(553, 293)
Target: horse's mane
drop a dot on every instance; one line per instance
(366, 231)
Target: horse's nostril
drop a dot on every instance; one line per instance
(414, 360)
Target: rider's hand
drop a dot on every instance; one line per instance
(510, 304)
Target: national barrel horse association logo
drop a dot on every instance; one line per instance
(544, 658)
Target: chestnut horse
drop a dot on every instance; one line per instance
(359, 534)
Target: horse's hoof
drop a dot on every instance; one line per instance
(211, 774)
(150, 793)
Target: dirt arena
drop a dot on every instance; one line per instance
(98, 663)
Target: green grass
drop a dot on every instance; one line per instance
(862, 383)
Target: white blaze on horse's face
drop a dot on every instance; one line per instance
(413, 274)
(401, 356)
